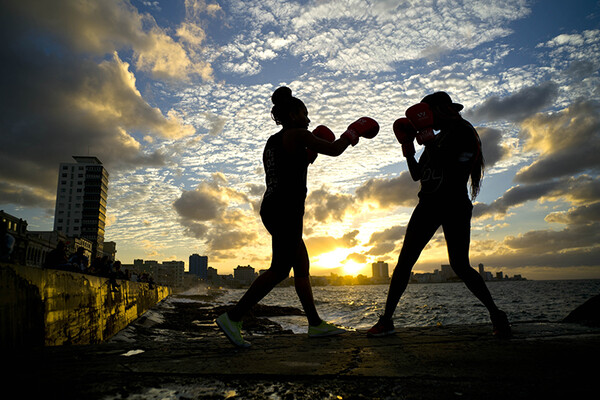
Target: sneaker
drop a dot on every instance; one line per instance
(324, 329)
(232, 329)
(384, 327)
(501, 325)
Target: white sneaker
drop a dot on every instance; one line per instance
(232, 329)
(324, 329)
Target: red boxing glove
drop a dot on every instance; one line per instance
(405, 133)
(422, 119)
(365, 127)
(324, 133)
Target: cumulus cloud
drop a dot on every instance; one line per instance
(196, 8)
(324, 206)
(317, 245)
(568, 142)
(384, 242)
(364, 36)
(212, 213)
(576, 245)
(569, 47)
(392, 192)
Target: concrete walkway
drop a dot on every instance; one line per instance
(542, 361)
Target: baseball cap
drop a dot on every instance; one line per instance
(441, 98)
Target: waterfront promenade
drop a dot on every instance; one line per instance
(175, 352)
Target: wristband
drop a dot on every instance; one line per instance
(351, 136)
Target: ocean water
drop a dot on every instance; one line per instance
(433, 304)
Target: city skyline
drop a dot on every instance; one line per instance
(174, 98)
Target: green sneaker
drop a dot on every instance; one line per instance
(232, 329)
(324, 329)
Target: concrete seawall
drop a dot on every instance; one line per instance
(176, 352)
(44, 307)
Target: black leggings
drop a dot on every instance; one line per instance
(289, 250)
(455, 219)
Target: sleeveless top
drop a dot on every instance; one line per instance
(285, 175)
(447, 162)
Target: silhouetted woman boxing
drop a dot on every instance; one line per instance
(450, 158)
(286, 157)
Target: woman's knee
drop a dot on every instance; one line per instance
(279, 273)
(463, 270)
(402, 271)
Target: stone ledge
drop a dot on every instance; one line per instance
(151, 360)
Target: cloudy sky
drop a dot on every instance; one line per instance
(174, 98)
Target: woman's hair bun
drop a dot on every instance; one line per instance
(281, 95)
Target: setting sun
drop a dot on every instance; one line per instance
(352, 268)
(331, 260)
(337, 261)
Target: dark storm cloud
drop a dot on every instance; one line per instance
(491, 142)
(581, 189)
(513, 197)
(550, 241)
(577, 215)
(517, 106)
(58, 101)
(26, 197)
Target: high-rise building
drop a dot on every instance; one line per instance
(199, 266)
(448, 273)
(171, 273)
(380, 270)
(244, 274)
(81, 200)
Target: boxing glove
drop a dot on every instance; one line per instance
(421, 117)
(405, 133)
(365, 127)
(324, 133)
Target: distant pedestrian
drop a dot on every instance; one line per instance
(57, 258)
(118, 270)
(80, 260)
(286, 157)
(7, 243)
(450, 158)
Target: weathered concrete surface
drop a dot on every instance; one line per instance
(185, 357)
(51, 307)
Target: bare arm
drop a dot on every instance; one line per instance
(414, 168)
(305, 138)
